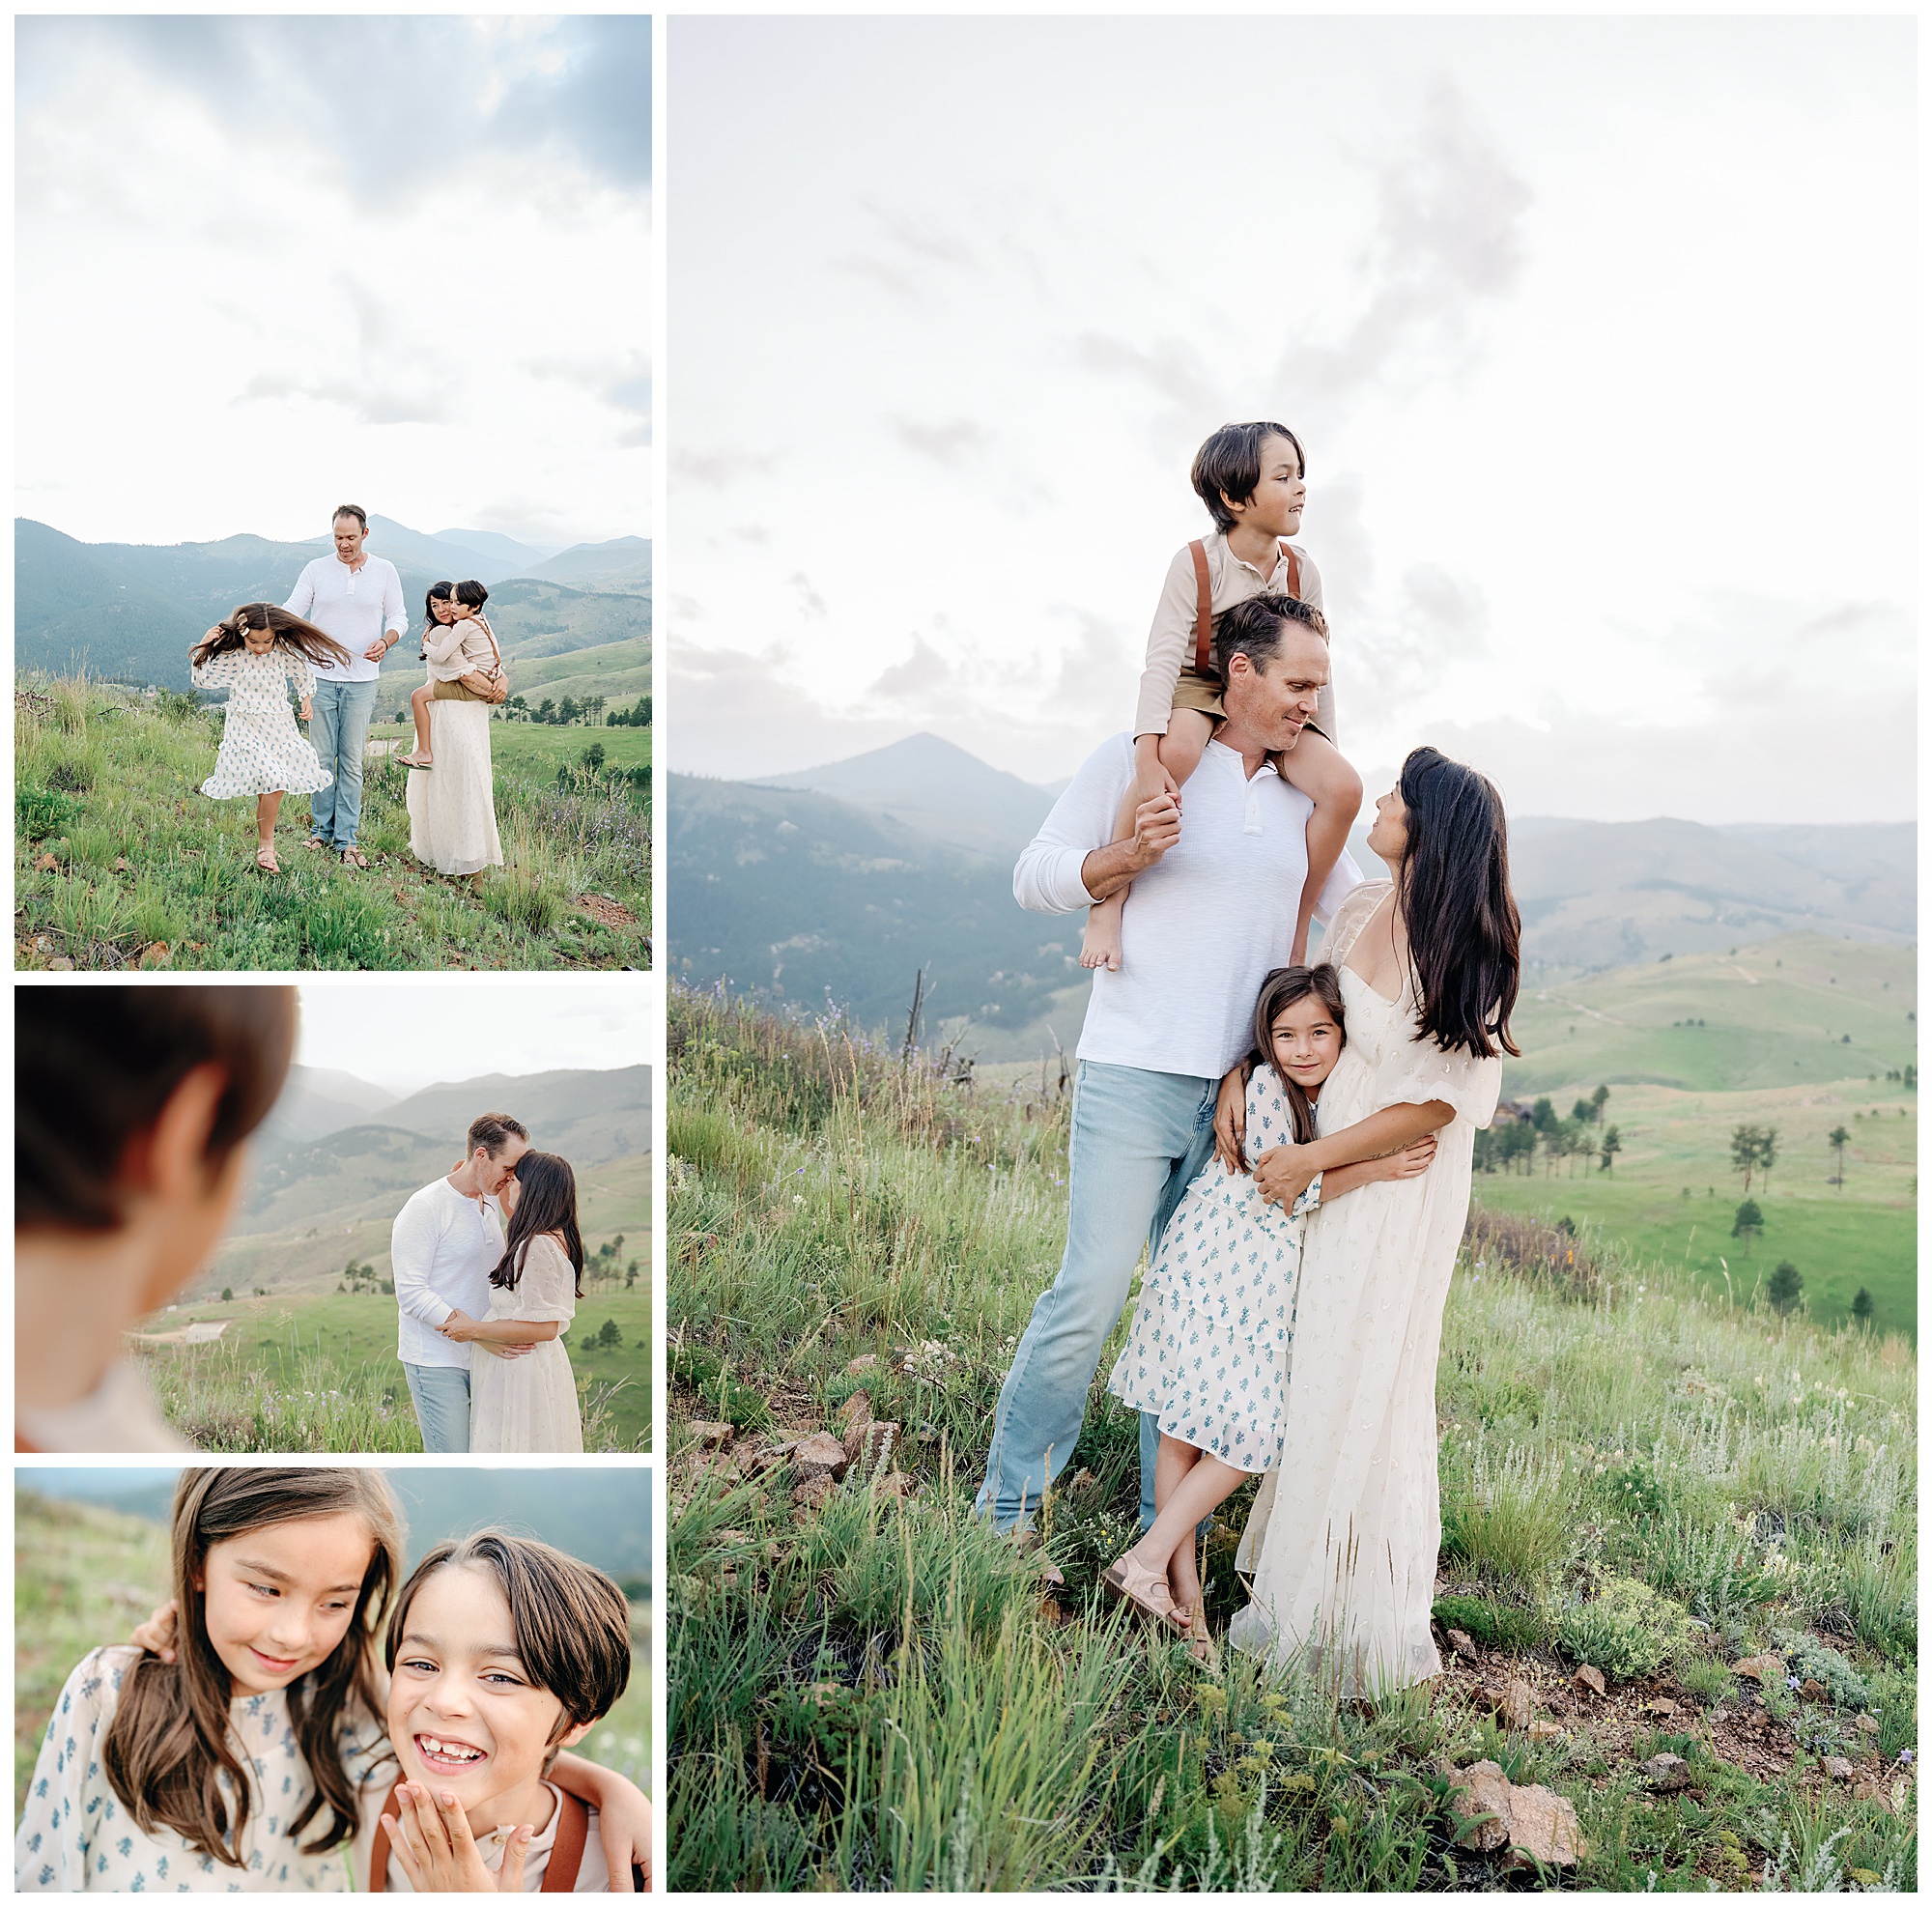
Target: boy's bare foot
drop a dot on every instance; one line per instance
(1100, 940)
(264, 858)
(418, 761)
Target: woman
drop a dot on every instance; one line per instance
(1343, 1548)
(530, 1402)
(453, 812)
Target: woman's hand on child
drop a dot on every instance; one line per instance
(157, 1636)
(1411, 1162)
(438, 1852)
(624, 1827)
(1231, 1120)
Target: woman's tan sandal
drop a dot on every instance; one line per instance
(1128, 1582)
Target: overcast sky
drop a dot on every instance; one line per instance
(265, 264)
(1599, 335)
(443, 1032)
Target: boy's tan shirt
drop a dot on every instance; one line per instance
(1171, 638)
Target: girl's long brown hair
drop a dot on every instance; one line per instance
(291, 631)
(1286, 987)
(169, 1747)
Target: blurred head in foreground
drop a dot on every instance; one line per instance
(132, 1108)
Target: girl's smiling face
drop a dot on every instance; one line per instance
(277, 1599)
(465, 1716)
(1305, 1042)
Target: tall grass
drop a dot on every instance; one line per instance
(120, 862)
(879, 1694)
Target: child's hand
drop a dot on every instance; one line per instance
(1231, 1120)
(438, 1852)
(157, 1636)
(305, 709)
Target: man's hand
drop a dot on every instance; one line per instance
(1283, 1173)
(379, 648)
(438, 1852)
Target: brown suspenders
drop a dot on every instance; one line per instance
(566, 1854)
(1204, 616)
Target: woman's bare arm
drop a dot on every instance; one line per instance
(1409, 1163)
(1283, 1173)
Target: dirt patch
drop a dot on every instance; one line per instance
(604, 911)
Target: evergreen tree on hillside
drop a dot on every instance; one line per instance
(1598, 1099)
(1785, 1288)
(1863, 1307)
(1748, 1223)
(1613, 1146)
(1839, 1139)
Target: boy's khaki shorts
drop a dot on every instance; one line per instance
(455, 691)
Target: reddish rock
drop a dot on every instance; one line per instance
(893, 1483)
(1483, 1790)
(870, 1446)
(1866, 1725)
(820, 1454)
(1591, 1679)
(856, 1409)
(1542, 1827)
(1515, 1707)
(1666, 1772)
(814, 1492)
(867, 1361)
(1811, 1689)
(1662, 1705)
(1872, 1791)
(712, 1436)
(1463, 1644)
(1761, 1670)
(1837, 1767)
(1541, 1730)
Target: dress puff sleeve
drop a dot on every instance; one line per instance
(64, 1808)
(296, 666)
(1351, 916)
(220, 671)
(548, 1287)
(1418, 1071)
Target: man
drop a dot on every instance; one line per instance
(445, 1242)
(1213, 911)
(359, 599)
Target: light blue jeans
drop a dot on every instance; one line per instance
(339, 729)
(441, 1393)
(1138, 1138)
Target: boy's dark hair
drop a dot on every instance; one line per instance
(494, 1131)
(95, 1066)
(472, 595)
(1230, 465)
(1282, 988)
(1253, 629)
(361, 515)
(570, 1622)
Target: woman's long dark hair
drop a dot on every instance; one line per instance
(168, 1750)
(290, 631)
(1464, 934)
(1282, 988)
(548, 1204)
(438, 592)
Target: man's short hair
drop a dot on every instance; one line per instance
(361, 515)
(1230, 465)
(1254, 629)
(494, 1131)
(95, 1066)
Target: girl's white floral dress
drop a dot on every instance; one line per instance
(262, 750)
(75, 1834)
(1208, 1350)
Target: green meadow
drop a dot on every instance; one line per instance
(120, 863)
(869, 1688)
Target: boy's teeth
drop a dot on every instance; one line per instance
(431, 1746)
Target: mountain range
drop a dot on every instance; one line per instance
(130, 611)
(844, 881)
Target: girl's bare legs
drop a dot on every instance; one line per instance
(267, 808)
(1179, 753)
(419, 702)
(1317, 767)
(1197, 1483)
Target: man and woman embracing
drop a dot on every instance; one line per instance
(1292, 1143)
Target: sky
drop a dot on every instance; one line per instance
(1599, 334)
(405, 1038)
(265, 264)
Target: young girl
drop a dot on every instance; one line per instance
(1250, 476)
(458, 642)
(530, 1402)
(1209, 1350)
(255, 654)
(237, 1760)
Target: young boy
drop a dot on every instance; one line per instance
(465, 645)
(132, 1105)
(1251, 478)
(501, 1651)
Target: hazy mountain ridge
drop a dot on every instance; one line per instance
(851, 876)
(131, 611)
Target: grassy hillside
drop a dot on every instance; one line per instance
(1800, 1009)
(84, 1576)
(881, 1693)
(120, 862)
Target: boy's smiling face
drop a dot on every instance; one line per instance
(1276, 507)
(277, 1599)
(465, 1718)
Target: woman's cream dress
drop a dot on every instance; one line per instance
(528, 1403)
(1342, 1543)
(454, 806)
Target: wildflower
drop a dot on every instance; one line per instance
(1791, 1682)
(1906, 1756)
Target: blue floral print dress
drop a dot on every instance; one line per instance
(262, 750)
(1209, 1352)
